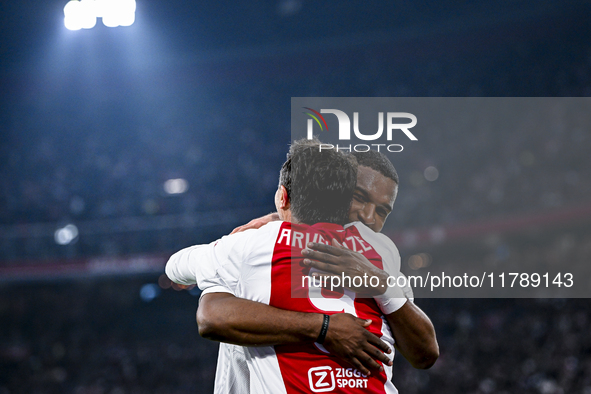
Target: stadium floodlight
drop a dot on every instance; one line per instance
(82, 14)
(87, 14)
(116, 12)
(73, 15)
(79, 15)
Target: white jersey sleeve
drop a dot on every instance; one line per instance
(232, 375)
(214, 267)
(394, 297)
(220, 265)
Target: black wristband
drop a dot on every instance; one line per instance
(324, 330)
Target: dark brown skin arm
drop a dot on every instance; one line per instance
(414, 335)
(412, 329)
(225, 318)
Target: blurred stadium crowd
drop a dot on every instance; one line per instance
(98, 337)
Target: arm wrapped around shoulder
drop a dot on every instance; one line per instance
(392, 299)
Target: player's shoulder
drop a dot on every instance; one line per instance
(248, 247)
(383, 245)
(371, 236)
(270, 227)
(254, 236)
(266, 230)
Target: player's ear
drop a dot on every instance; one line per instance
(282, 204)
(283, 197)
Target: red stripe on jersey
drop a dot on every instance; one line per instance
(307, 368)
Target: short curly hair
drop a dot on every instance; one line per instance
(379, 162)
(319, 183)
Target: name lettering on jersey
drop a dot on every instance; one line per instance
(357, 244)
(299, 239)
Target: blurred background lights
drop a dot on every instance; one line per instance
(164, 282)
(149, 291)
(82, 14)
(420, 260)
(431, 173)
(66, 234)
(176, 186)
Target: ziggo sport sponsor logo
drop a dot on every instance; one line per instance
(323, 379)
(345, 129)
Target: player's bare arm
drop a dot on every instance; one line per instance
(257, 223)
(225, 318)
(412, 329)
(414, 335)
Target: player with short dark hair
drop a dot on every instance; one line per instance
(319, 184)
(377, 161)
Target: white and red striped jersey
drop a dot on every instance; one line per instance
(265, 265)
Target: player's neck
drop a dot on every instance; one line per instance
(286, 216)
